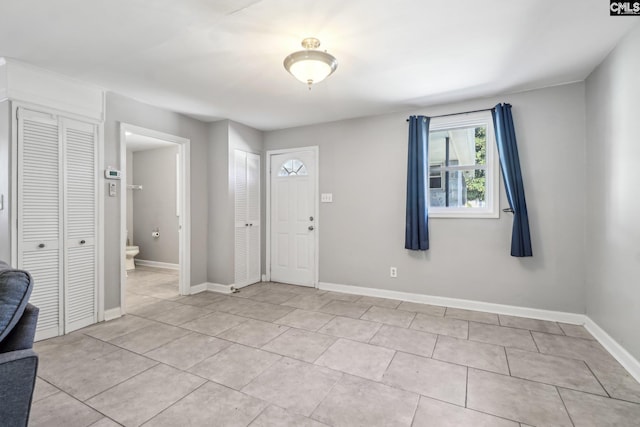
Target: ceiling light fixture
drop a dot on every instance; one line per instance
(310, 66)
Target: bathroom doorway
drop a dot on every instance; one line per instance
(154, 216)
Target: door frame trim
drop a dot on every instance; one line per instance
(184, 237)
(316, 209)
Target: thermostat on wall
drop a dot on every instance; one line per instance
(112, 174)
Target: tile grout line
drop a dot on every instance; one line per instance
(48, 382)
(534, 342)
(565, 406)
(268, 404)
(129, 378)
(466, 389)
(179, 400)
(597, 379)
(507, 357)
(83, 403)
(415, 410)
(387, 367)
(109, 418)
(521, 378)
(435, 344)
(462, 407)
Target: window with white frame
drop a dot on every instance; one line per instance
(463, 167)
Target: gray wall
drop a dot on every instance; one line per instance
(154, 207)
(613, 201)
(5, 177)
(123, 109)
(130, 197)
(363, 163)
(220, 238)
(225, 137)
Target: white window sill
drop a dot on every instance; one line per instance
(466, 214)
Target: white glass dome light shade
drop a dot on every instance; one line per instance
(310, 66)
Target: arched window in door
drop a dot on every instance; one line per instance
(293, 167)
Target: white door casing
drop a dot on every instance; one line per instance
(293, 217)
(183, 197)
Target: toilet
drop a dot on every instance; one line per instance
(132, 251)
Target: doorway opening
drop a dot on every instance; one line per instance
(292, 216)
(155, 219)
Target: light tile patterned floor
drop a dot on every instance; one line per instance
(281, 355)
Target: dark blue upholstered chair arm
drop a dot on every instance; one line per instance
(17, 382)
(22, 335)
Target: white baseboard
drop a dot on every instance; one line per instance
(198, 288)
(157, 264)
(631, 364)
(112, 313)
(224, 289)
(511, 310)
(213, 287)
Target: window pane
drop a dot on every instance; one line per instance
(292, 167)
(476, 188)
(459, 189)
(466, 146)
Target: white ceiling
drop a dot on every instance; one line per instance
(216, 59)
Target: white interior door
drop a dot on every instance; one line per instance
(293, 223)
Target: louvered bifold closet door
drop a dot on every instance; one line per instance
(79, 142)
(241, 220)
(253, 215)
(40, 212)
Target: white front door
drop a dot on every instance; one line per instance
(293, 222)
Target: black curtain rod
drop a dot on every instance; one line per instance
(456, 114)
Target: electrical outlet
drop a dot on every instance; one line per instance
(393, 272)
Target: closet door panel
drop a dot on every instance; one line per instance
(240, 187)
(253, 255)
(80, 292)
(79, 142)
(253, 189)
(253, 215)
(241, 249)
(40, 213)
(44, 267)
(240, 214)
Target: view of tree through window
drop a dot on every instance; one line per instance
(458, 167)
(476, 184)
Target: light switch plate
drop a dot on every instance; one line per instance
(112, 189)
(326, 198)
